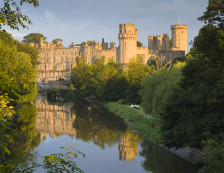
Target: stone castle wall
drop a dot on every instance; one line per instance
(57, 62)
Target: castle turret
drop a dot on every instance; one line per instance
(127, 42)
(165, 45)
(41, 42)
(150, 42)
(159, 39)
(179, 37)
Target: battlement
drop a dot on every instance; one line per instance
(128, 30)
(178, 26)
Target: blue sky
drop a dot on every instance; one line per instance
(81, 20)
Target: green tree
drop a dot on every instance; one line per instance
(57, 41)
(8, 40)
(11, 15)
(139, 44)
(214, 13)
(158, 87)
(112, 44)
(17, 73)
(135, 73)
(33, 38)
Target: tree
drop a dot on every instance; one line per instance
(11, 15)
(194, 113)
(34, 38)
(17, 73)
(57, 41)
(139, 44)
(112, 44)
(214, 13)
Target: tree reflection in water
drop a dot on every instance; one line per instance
(94, 123)
(158, 160)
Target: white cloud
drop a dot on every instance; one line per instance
(17, 35)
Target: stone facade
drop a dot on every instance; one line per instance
(56, 62)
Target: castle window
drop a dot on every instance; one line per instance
(61, 59)
(54, 59)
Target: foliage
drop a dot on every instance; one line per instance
(6, 113)
(139, 44)
(157, 88)
(213, 154)
(214, 13)
(9, 41)
(61, 162)
(146, 125)
(194, 113)
(17, 74)
(12, 16)
(57, 41)
(109, 81)
(112, 44)
(33, 38)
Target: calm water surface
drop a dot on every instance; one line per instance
(109, 144)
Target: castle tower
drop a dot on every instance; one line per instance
(150, 42)
(159, 40)
(127, 42)
(41, 42)
(165, 42)
(179, 37)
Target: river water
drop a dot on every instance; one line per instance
(109, 145)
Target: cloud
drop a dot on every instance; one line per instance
(17, 35)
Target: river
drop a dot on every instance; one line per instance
(108, 143)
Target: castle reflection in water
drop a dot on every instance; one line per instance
(57, 120)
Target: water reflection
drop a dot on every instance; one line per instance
(91, 126)
(55, 120)
(158, 160)
(87, 123)
(128, 146)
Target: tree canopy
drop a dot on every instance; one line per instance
(57, 41)
(33, 38)
(17, 68)
(139, 44)
(11, 15)
(214, 13)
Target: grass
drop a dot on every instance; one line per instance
(146, 125)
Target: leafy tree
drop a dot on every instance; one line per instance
(112, 44)
(194, 112)
(57, 41)
(17, 73)
(158, 87)
(8, 40)
(214, 13)
(135, 74)
(139, 44)
(33, 38)
(11, 15)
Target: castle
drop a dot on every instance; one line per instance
(56, 61)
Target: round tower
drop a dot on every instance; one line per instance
(128, 36)
(179, 37)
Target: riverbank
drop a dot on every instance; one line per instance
(146, 125)
(149, 128)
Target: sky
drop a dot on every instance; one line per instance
(82, 20)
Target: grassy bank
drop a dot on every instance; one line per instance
(143, 124)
